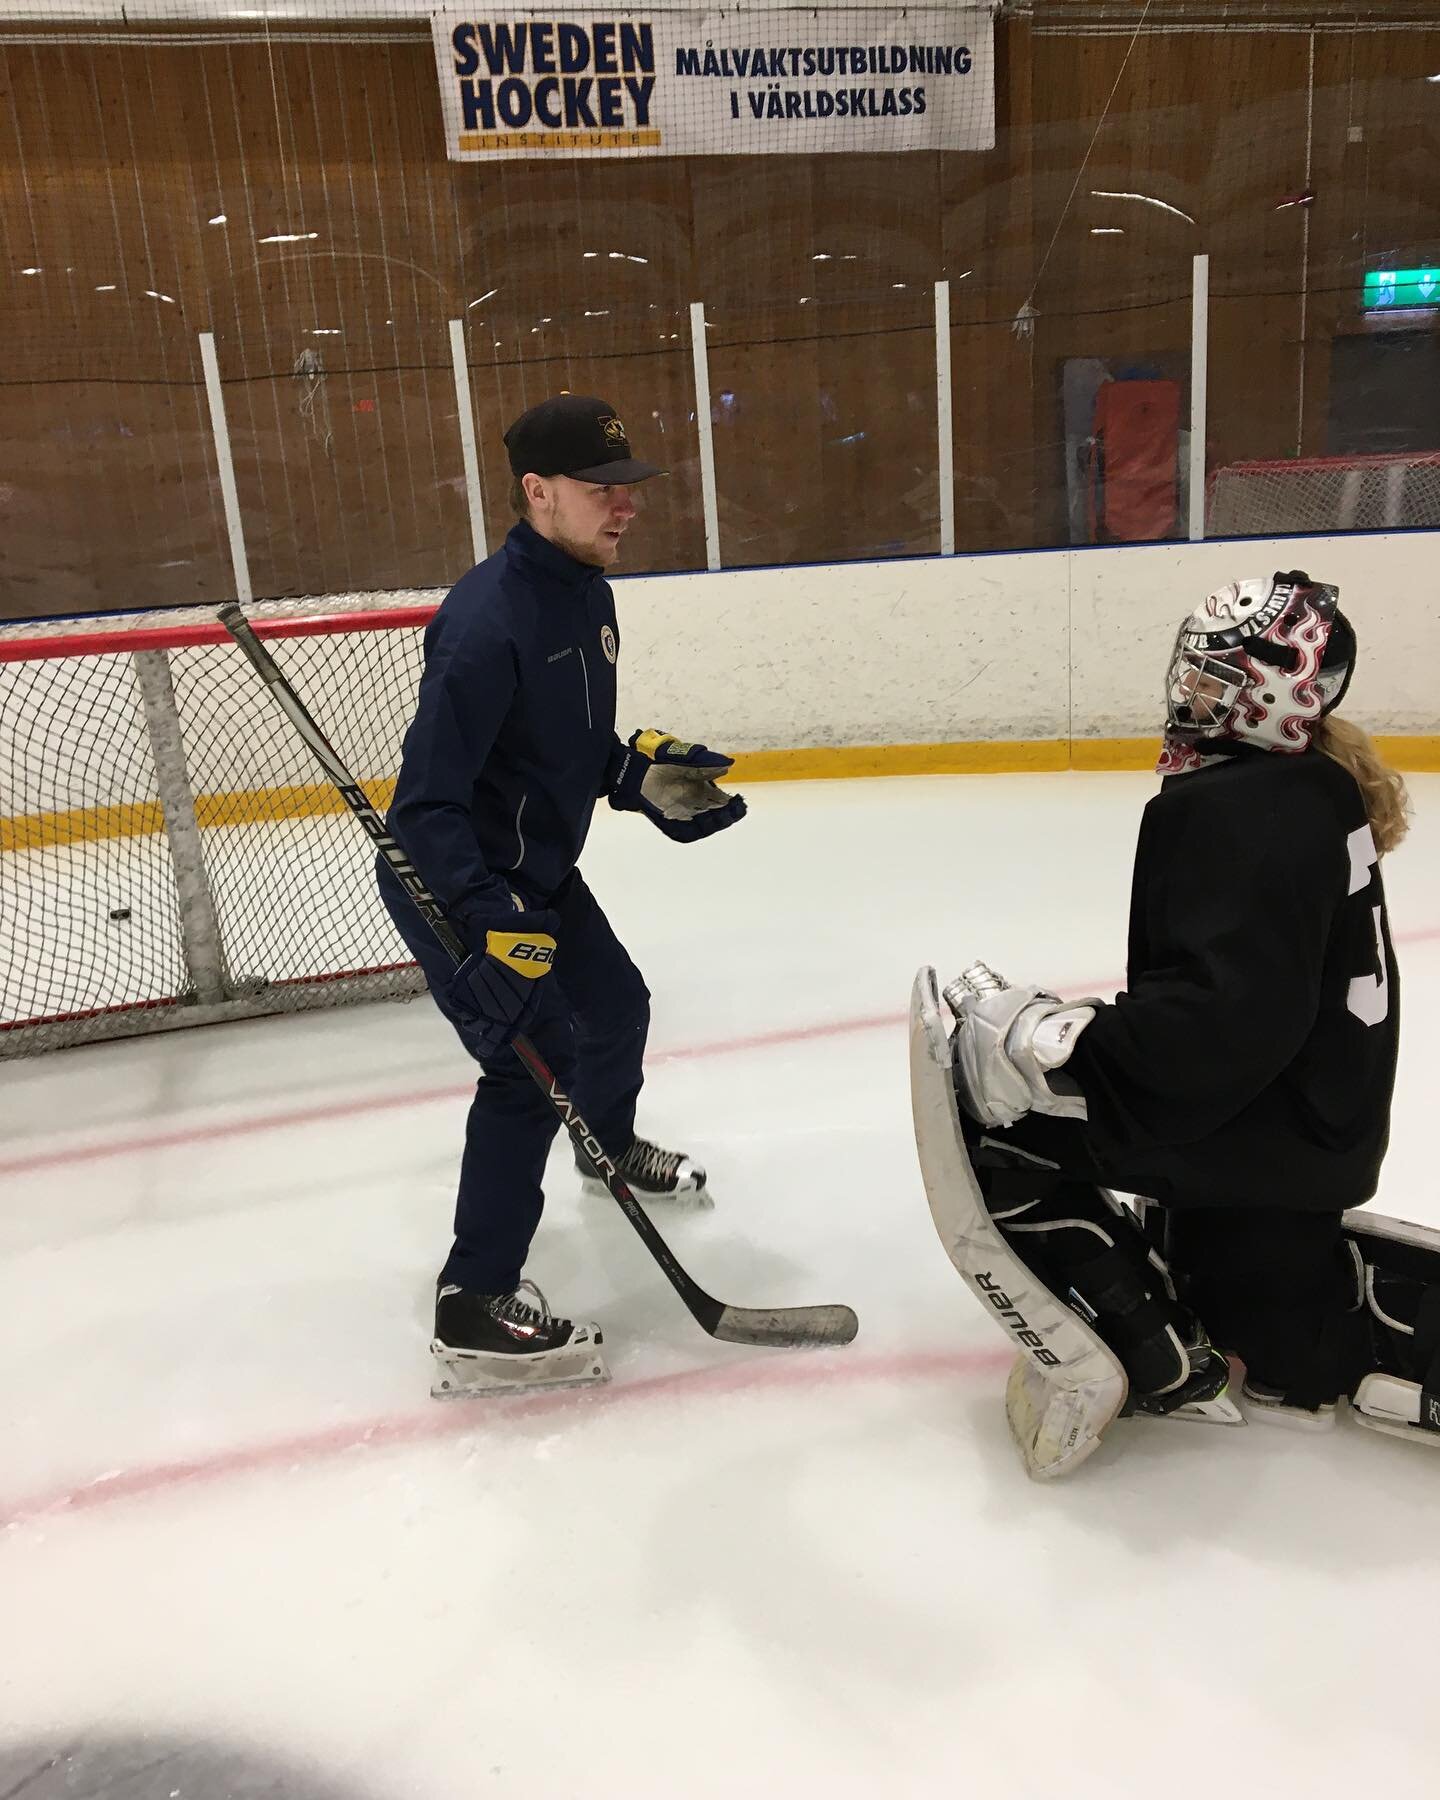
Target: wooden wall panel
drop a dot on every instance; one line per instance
(988, 254)
(817, 276)
(114, 158)
(104, 460)
(1376, 198)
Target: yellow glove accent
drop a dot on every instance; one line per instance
(650, 743)
(528, 954)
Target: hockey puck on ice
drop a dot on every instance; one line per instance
(119, 912)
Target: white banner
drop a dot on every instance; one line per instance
(776, 81)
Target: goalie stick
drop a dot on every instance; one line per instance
(777, 1327)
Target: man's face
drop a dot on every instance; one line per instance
(583, 518)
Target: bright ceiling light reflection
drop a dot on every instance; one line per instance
(1145, 200)
(219, 219)
(150, 294)
(108, 288)
(1107, 231)
(29, 271)
(290, 237)
(490, 296)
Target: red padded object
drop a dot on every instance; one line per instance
(1134, 490)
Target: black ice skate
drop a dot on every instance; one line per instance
(652, 1174)
(509, 1343)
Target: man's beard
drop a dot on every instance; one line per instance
(583, 553)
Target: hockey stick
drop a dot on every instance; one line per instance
(775, 1326)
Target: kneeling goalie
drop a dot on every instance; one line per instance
(1241, 1083)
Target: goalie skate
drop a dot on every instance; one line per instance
(1067, 1385)
(1401, 1280)
(488, 1344)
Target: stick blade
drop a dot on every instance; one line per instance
(793, 1327)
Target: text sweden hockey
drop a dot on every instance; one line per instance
(557, 76)
(600, 76)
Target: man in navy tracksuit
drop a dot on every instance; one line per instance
(512, 744)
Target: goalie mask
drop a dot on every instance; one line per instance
(1260, 662)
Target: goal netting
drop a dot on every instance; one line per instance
(169, 854)
(1323, 493)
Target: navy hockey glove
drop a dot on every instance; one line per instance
(673, 784)
(497, 992)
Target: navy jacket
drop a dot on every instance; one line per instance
(513, 738)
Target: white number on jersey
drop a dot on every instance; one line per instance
(1369, 997)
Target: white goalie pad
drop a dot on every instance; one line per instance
(1067, 1385)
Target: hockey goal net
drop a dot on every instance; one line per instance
(1323, 493)
(169, 854)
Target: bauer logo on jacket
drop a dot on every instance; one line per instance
(607, 643)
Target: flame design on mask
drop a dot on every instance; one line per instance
(1287, 722)
(1274, 708)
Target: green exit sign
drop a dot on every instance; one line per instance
(1393, 290)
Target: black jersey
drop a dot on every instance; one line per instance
(1252, 1056)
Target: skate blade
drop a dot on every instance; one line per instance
(459, 1376)
(1222, 1410)
(687, 1200)
(1288, 1418)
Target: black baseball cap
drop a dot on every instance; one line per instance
(578, 436)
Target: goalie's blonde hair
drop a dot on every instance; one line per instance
(1386, 802)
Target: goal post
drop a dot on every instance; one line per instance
(167, 856)
(1324, 494)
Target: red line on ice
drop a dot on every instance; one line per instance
(343, 1109)
(457, 1418)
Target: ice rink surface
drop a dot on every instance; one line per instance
(244, 1553)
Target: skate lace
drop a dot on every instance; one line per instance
(650, 1162)
(522, 1312)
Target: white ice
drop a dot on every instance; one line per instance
(234, 1515)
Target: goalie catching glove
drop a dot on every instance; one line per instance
(497, 991)
(1011, 1045)
(674, 785)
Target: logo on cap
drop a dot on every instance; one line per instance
(614, 432)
